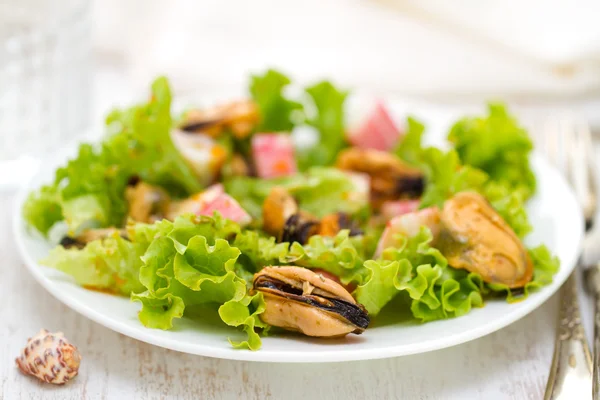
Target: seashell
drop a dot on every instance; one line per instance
(474, 237)
(297, 299)
(50, 358)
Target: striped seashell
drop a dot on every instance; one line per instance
(50, 358)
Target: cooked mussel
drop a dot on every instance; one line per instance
(391, 179)
(474, 237)
(239, 117)
(87, 236)
(298, 299)
(299, 227)
(331, 224)
(278, 207)
(283, 219)
(147, 203)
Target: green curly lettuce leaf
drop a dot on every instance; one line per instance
(89, 189)
(320, 191)
(413, 266)
(498, 145)
(111, 264)
(445, 176)
(410, 148)
(258, 251)
(329, 121)
(341, 255)
(510, 204)
(276, 111)
(191, 263)
(43, 208)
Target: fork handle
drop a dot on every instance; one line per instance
(571, 371)
(596, 369)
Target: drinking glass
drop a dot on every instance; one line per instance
(44, 81)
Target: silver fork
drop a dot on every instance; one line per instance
(566, 142)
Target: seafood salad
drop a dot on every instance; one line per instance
(228, 213)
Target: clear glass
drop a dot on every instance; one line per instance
(44, 80)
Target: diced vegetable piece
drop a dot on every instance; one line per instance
(391, 209)
(409, 225)
(375, 131)
(202, 153)
(229, 208)
(206, 203)
(273, 155)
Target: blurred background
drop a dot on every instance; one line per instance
(464, 50)
(64, 63)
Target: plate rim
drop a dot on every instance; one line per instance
(19, 231)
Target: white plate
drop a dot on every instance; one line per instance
(554, 213)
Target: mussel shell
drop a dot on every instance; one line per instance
(410, 186)
(299, 228)
(345, 222)
(195, 126)
(352, 312)
(474, 237)
(80, 241)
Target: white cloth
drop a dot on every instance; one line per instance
(436, 48)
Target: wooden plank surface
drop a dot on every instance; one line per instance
(509, 364)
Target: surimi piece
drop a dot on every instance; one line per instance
(229, 208)
(273, 155)
(393, 208)
(207, 202)
(376, 130)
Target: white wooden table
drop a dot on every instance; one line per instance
(509, 364)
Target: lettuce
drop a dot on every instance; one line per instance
(497, 145)
(410, 148)
(89, 189)
(341, 255)
(191, 263)
(276, 111)
(413, 266)
(43, 208)
(329, 121)
(445, 176)
(111, 264)
(510, 204)
(319, 191)
(258, 251)
(170, 267)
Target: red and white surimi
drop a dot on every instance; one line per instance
(229, 208)
(207, 202)
(273, 155)
(391, 209)
(376, 130)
